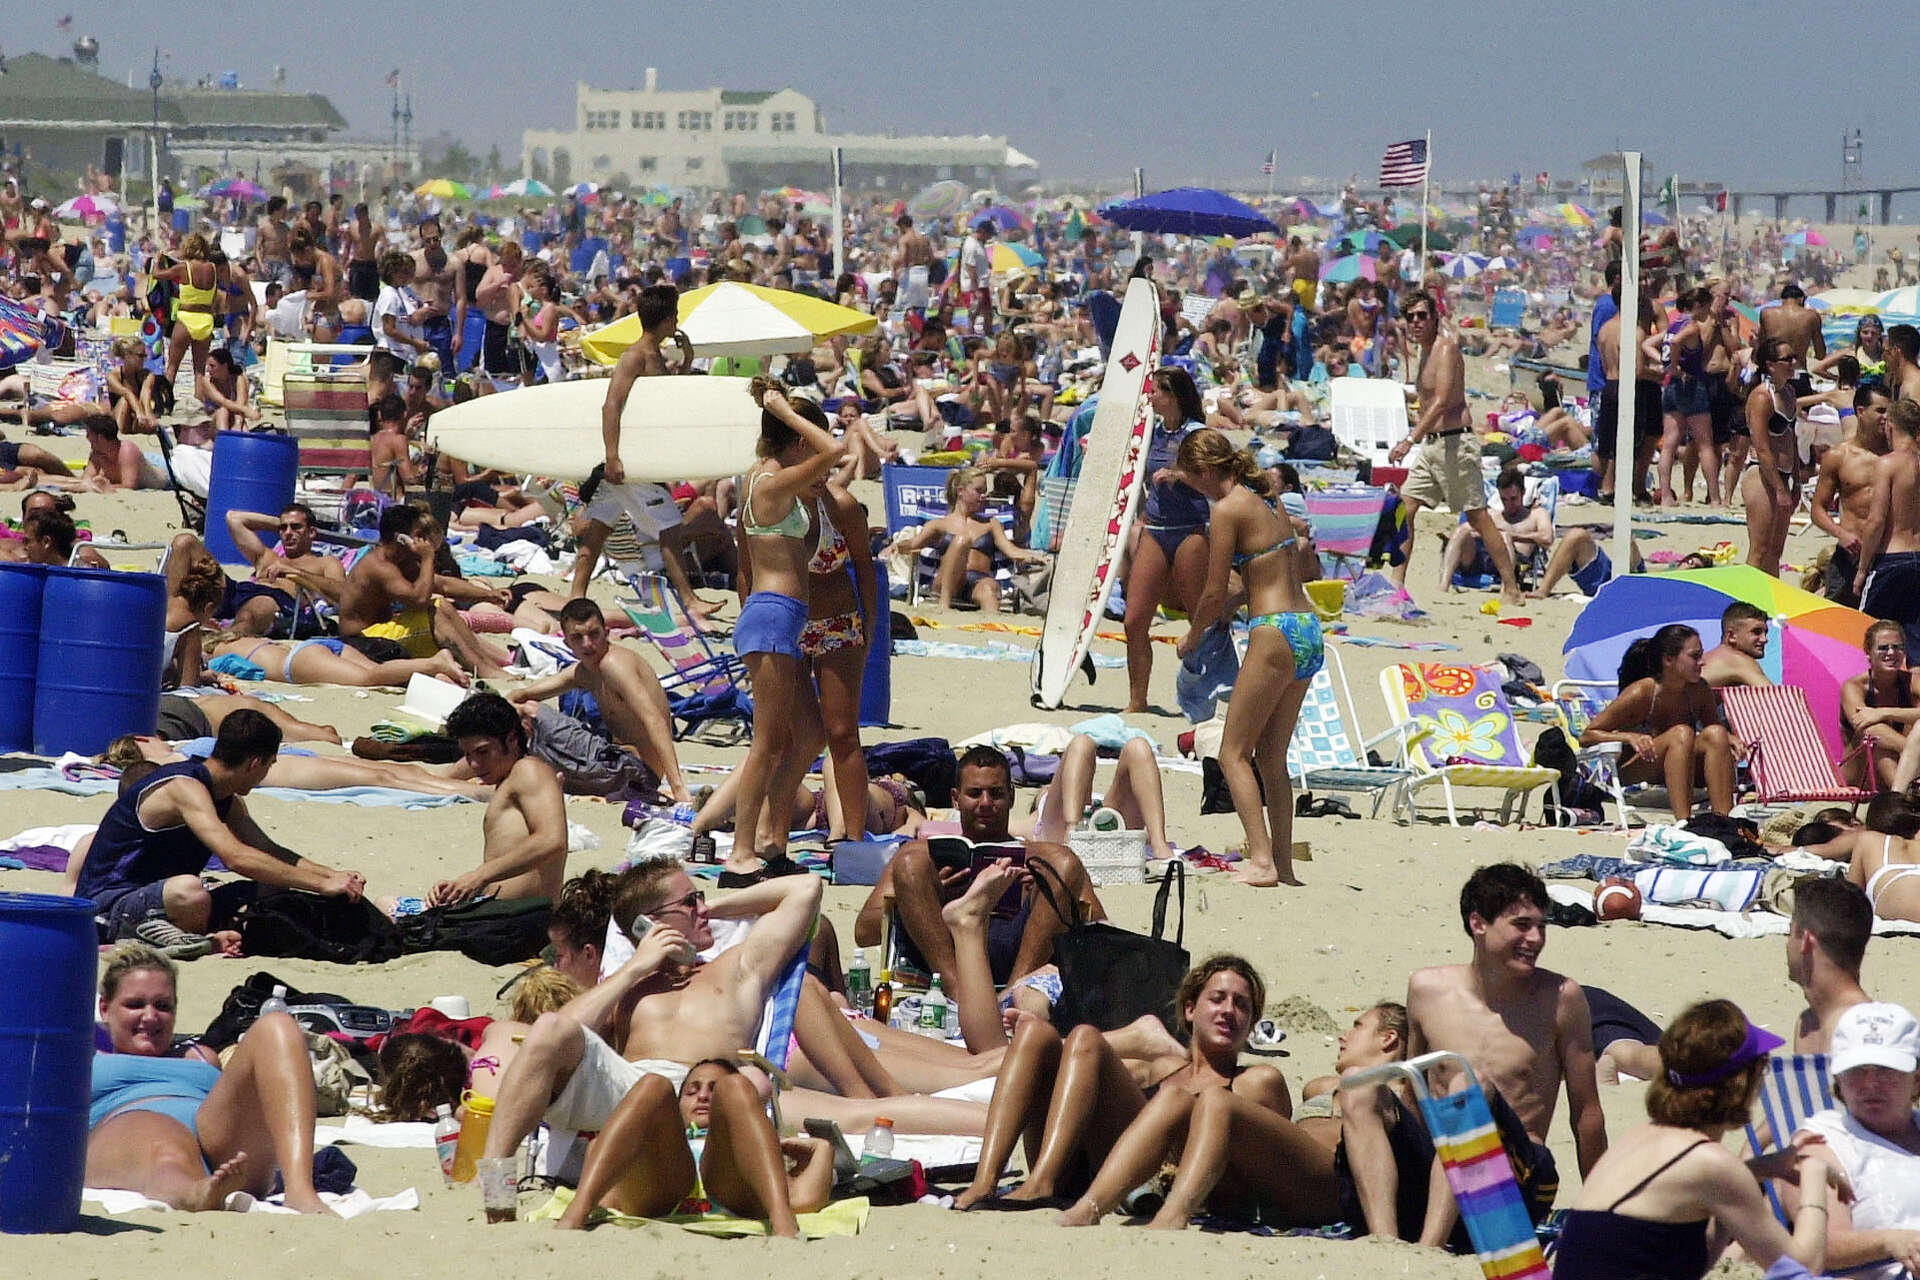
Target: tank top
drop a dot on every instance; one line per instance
(471, 274)
(126, 854)
(1172, 505)
(1605, 1244)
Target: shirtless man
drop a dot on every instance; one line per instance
(47, 536)
(1826, 943)
(1888, 579)
(271, 241)
(1743, 643)
(524, 834)
(1304, 265)
(912, 250)
(1846, 480)
(114, 463)
(1902, 352)
(388, 609)
(316, 271)
(363, 257)
(922, 881)
(1527, 1032)
(433, 271)
(631, 700)
(1799, 325)
(1446, 472)
(498, 297)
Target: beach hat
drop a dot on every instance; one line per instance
(1758, 1044)
(1875, 1035)
(1248, 300)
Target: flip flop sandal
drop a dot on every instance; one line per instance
(1267, 1039)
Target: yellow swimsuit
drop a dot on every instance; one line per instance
(199, 324)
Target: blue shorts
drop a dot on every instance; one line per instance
(1687, 396)
(1596, 575)
(770, 623)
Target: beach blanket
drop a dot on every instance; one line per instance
(1732, 924)
(992, 651)
(54, 779)
(841, 1218)
(1381, 642)
(351, 1205)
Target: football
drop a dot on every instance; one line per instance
(1617, 898)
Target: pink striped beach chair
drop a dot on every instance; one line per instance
(1787, 760)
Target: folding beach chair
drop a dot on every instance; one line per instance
(705, 685)
(326, 407)
(1477, 1166)
(1322, 757)
(1575, 703)
(1458, 730)
(1345, 522)
(193, 506)
(915, 495)
(1786, 758)
(1369, 416)
(1793, 1088)
(1541, 490)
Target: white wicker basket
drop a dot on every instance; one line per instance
(1111, 857)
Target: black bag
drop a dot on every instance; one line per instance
(1215, 795)
(1552, 751)
(1108, 976)
(928, 763)
(243, 1003)
(1312, 444)
(308, 926)
(496, 931)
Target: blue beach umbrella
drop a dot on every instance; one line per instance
(1189, 211)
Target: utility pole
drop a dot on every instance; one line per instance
(406, 137)
(153, 142)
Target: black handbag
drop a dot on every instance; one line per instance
(1109, 976)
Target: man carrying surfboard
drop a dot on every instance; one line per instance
(606, 495)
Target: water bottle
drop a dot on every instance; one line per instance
(860, 983)
(446, 1140)
(275, 1003)
(879, 1140)
(683, 814)
(953, 1021)
(933, 1011)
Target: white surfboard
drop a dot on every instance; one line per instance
(674, 428)
(1105, 498)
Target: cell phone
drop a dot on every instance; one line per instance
(405, 540)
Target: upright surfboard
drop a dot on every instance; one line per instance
(673, 428)
(1094, 540)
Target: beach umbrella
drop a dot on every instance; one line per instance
(526, 187)
(1305, 208)
(1408, 234)
(1815, 645)
(1189, 211)
(234, 189)
(1345, 270)
(1461, 266)
(938, 200)
(21, 330)
(1003, 218)
(1012, 259)
(443, 189)
(1501, 264)
(1652, 218)
(1904, 301)
(87, 206)
(1845, 302)
(1807, 237)
(1573, 215)
(582, 190)
(730, 319)
(1363, 240)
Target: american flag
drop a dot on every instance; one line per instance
(1267, 168)
(65, 24)
(1404, 164)
(393, 78)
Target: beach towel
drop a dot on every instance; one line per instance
(1676, 846)
(1207, 675)
(841, 1218)
(364, 1132)
(54, 779)
(353, 1204)
(1728, 890)
(992, 651)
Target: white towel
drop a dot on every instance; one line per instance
(67, 837)
(351, 1205)
(365, 1132)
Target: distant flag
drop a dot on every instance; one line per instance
(1720, 202)
(1267, 168)
(1670, 190)
(1404, 164)
(65, 24)
(393, 78)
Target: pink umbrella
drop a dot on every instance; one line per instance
(1819, 664)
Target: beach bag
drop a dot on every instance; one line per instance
(1312, 444)
(1572, 798)
(242, 1007)
(495, 931)
(1108, 975)
(307, 926)
(928, 763)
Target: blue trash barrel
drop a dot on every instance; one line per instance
(100, 659)
(116, 234)
(46, 1059)
(21, 587)
(876, 685)
(250, 473)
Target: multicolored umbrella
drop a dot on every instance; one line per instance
(87, 206)
(234, 189)
(443, 189)
(1573, 215)
(730, 319)
(1807, 237)
(525, 187)
(1462, 266)
(1355, 266)
(1904, 301)
(1815, 643)
(938, 200)
(21, 330)
(1846, 302)
(1003, 218)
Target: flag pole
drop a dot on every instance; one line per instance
(1625, 480)
(838, 162)
(1139, 189)
(1426, 176)
(1273, 167)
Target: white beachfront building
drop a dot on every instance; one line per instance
(734, 139)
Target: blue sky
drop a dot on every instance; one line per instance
(1193, 91)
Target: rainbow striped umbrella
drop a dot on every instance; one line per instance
(21, 330)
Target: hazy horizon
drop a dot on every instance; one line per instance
(1193, 93)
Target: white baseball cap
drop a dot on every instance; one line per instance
(1875, 1035)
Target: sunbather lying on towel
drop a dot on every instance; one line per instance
(329, 660)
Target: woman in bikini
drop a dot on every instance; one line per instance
(1073, 1099)
(1886, 857)
(1881, 705)
(193, 310)
(1284, 647)
(327, 660)
(1770, 485)
(1669, 720)
(1169, 558)
(796, 451)
(969, 545)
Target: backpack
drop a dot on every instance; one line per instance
(242, 1007)
(1572, 792)
(308, 926)
(493, 932)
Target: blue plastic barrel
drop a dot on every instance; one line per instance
(46, 1059)
(876, 685)
(21, 587)
(100, 659)
(250, 473)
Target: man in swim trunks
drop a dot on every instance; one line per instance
(1826, 945)
(1743, 643)
(1846, 481)
(924, 877)
(143, 869)
(17, 455)
(1888, 579)
(388, 609)
(628, 694)
(1446, 471)
(264, 606)
(1304, 264)
(1527, 1033)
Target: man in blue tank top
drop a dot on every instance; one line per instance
(143, 868)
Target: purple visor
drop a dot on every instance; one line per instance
(1757, 1045)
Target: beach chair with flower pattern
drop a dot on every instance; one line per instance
(1459, 732)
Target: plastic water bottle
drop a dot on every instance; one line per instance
(860, 983)
(879, 1140)
(683, 814)
(275, 1003)
(933, 1011)
(446, 1140)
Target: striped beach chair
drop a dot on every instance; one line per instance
(1322, 757)
(1345, 522)
(705, 684)
(1786, 758)
(1477, 1167)
(1793, 1088)
(1458, 731)
(326, 408)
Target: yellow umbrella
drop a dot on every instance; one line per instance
(729, 319)
(444, 188)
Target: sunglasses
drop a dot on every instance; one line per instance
(1415, 316)
(1890, 648)
(697, 898)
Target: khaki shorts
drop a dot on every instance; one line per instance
(1446, 473)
